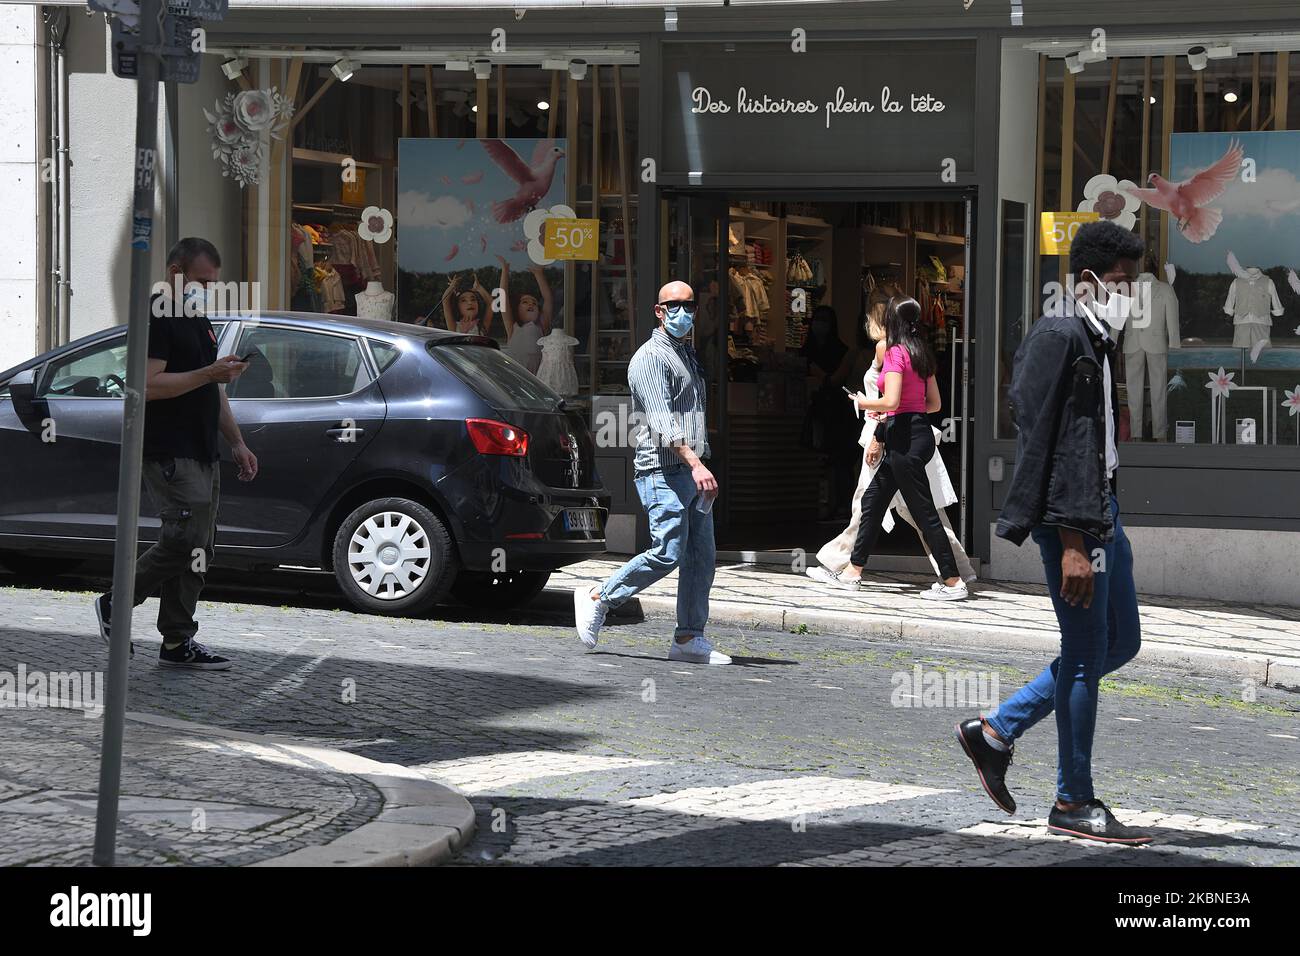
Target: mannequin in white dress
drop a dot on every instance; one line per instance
(373, 302)
(834, 555)
(556, 369)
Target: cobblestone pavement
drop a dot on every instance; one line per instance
(812, 750)
(185, 799)
(1002, 606)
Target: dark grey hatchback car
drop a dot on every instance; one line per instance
(411, 462)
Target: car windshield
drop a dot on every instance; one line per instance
(498, 378)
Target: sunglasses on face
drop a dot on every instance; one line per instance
(686, 305)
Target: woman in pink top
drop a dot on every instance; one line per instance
(908, 394)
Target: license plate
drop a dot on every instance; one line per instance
(582, 519)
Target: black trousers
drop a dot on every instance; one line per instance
(909, 445)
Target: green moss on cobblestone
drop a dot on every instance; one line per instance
(1169, 695)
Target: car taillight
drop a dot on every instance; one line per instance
(497, 438)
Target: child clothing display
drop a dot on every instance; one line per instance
(1252, 302)
(1147, 340)
(556, 369)
(374, 302)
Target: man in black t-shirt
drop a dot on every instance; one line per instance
(185, 408)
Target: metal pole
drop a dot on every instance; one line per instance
(128, 473)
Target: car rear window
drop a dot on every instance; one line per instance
(499, 379)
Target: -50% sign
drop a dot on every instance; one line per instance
(571, 239)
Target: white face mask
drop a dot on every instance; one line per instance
(1117, 308)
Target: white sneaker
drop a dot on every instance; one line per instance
(588, 615)
(941, 592)
(820, 574)
(696, 651)
(838, 580)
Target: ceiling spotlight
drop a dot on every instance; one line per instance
(343, 68)
(1220, 51)
(1073, 63)
(1197, 57)
(577, 69)
(543, 105)
(234, 67)
(1231, 92)
(474, 108)
(1151, 100)
(670, 19)
(482, 68)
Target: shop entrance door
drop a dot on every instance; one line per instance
(696, 252)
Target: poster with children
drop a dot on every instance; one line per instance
(469, 237)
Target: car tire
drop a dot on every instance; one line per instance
(509, 589)
(376, 585)
(38, 566)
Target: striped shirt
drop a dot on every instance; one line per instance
(668, 397)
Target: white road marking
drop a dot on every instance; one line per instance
(783, 798)
(1205, 728)
(1136, 720)
(1285, 736)
(756, 680)
(498, 771)
(828, 687)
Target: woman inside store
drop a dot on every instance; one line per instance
(831, 428)
(470, 313)
(905, 464)
(527, 318)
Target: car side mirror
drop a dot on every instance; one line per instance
(22, 389)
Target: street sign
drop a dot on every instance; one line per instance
(571, 239)
(180, 61)
(199, 9)
(1057, 229)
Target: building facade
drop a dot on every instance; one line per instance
(780, 158)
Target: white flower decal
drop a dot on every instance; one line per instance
(1110, 199)
(1221, 383)
(533, 230)
(240, 127)
(1292, 400)
(376, 224)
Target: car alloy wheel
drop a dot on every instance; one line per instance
(388, 555)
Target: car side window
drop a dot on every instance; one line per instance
(384, 353)
(297, 363)
(96, 372)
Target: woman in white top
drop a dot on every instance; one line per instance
(834, 555)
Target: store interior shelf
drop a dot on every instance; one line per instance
(322, 158)
(935, 237)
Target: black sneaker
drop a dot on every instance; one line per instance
(193, 655)
(1094, 821)
(990, 764)
(104, 614)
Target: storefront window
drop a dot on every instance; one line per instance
(1225, 294)
(418, 211)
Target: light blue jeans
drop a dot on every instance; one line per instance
(681, 536)
(1094, 641)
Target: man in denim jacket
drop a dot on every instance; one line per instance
(1063, 495)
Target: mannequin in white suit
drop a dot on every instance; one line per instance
(1147, 342)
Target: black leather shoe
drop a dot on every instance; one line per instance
(1094, 821)
(990, 764)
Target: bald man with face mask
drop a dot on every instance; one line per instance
(675, 485)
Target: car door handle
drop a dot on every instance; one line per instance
(341, 433)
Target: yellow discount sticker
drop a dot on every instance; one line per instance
(571, 239)
(1056, 231)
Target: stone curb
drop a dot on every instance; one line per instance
(1280, 672)
(422, 823)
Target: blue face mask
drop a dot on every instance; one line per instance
(678, 321)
